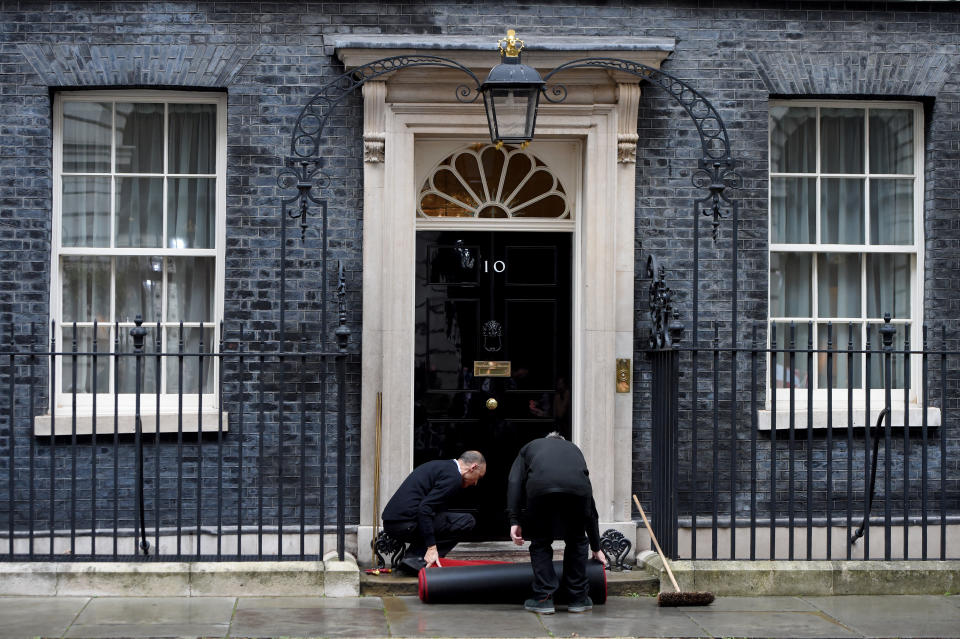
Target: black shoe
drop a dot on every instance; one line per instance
(581, 605)
(543, 606)
(412, 565)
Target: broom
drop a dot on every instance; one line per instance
(677, 598)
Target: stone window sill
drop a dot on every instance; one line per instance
(209, 420)
(840, 414)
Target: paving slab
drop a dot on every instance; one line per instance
(893, 615)
(799, 625)
(38, 616)
(154, 617)
(624, 617)
(410, 617)
(309, 617)
(755, 604)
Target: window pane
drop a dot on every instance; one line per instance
(841, 140)
(127, 364)
(193, 138)
(793, 139)
(139, 138)
(139, 284)
(86, 211)
(85, 363)
(191, 203)
(891, 141)
(86, 289)
(891, 211)
(139, 212)
(190, 281)
(86, 137)
(841, 211)
(791, 336)
(877, 363)
(469, 170)
(841, 363)
(191, 362)
(838, 288)
(888, 285)
(793, 210)
(790, 285)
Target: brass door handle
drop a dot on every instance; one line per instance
(491, 404)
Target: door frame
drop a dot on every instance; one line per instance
(603, 283)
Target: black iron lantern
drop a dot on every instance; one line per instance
(511, 93)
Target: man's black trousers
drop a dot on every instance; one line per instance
(448, 527)
(558, 516)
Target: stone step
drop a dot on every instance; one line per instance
(635, 583)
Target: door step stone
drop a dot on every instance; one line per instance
(635, 583)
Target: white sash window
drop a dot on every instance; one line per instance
(138, 229)
(846, 239)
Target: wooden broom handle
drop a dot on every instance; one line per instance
(656, 545)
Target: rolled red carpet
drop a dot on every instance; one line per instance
(494, 582)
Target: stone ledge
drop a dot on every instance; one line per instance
(770, 578)
(182, 579)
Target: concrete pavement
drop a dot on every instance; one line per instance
(143, 617)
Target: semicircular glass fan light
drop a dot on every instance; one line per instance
(492, 182)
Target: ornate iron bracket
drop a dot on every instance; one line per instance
(308, 131)
(343, 331)
(616, 547)
(385, 544)
(666, 329)
(306, 177)
(716, 167)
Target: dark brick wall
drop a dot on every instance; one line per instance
(270, 57)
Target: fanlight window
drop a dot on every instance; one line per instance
(489, 182)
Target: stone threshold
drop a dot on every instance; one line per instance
(328, 578)
(793, 578)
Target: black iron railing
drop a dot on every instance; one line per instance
(858, 462)
(241, 457)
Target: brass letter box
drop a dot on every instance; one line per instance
(491, 368)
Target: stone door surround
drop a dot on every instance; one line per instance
(419, 104)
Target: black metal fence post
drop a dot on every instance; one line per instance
(138, 333)
(666, 386)
(667, 330)
(343, 339)
(887, 332)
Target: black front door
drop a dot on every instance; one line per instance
(493, 353)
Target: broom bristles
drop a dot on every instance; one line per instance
(684, 598)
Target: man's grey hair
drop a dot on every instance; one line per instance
(473, 457)
(554, 434)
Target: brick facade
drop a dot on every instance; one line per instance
(270, 57)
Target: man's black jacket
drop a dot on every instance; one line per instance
(423, 494)
(550, 465)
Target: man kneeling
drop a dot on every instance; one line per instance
(417, 513)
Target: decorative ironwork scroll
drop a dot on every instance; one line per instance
(308, 131)
(343, 331)
(716, 167)
(384, 544)
(616, 547)
(666, 328)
